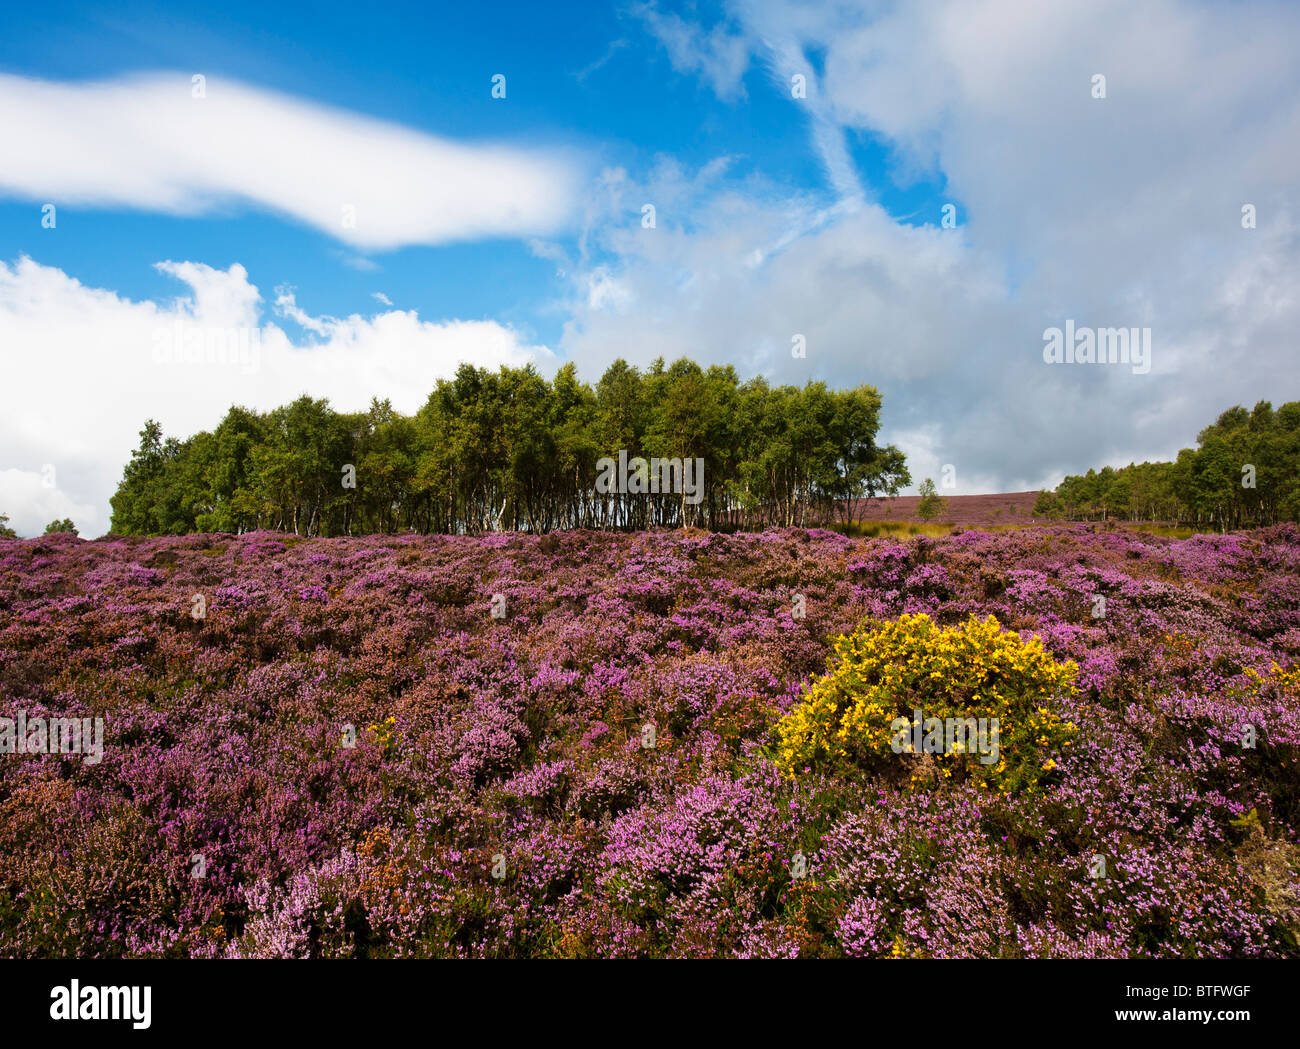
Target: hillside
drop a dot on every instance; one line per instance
(965, 510)
(355, 747)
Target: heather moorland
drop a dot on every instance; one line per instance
(656, 744)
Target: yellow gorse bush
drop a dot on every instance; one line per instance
(976, 670)
(1287, 681)
(384, 732)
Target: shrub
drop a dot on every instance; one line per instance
(972, 671)
(932, 504)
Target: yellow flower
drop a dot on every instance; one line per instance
(944, 671)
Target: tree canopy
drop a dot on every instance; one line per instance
(1244, 471)
(510, 451)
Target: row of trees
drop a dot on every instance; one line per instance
(64, 525)
(508, 450)
(1244, 471)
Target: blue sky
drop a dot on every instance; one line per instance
(508, 230)
(591, 77)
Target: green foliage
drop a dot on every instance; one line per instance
(1048, 505)
(5, 531)
(507, 450)
(65, 525)
(932, 504)
(1245, 471)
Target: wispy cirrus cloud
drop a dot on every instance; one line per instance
(719, 54)
(146, 142)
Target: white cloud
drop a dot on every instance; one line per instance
(85, 367)
(719, 55)
(31, 504)
(144, 142)
(359, 263)
(1116, 212)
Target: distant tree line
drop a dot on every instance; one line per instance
(510, 451)
(64, 525)
(1244, 471)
